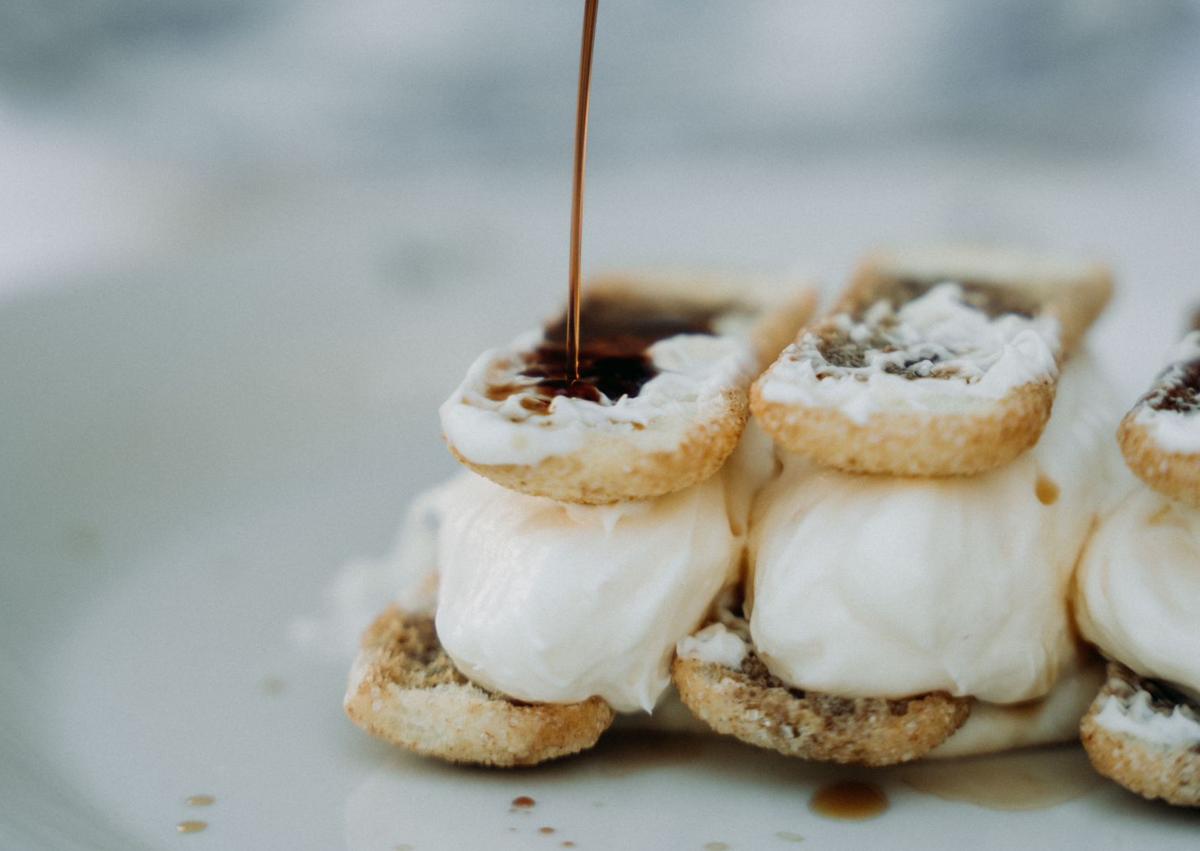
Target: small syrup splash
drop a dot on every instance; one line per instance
(546, 830)
(1047, 490)
(200, 801)
(524, 802)
(849, 800)
(191, 826)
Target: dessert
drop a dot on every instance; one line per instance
(1136, 596)
(659, 404)
(551, 614)
(882, 612)
(934, 362)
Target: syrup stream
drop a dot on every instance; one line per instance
(581, 125)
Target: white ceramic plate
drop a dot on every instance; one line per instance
(189, 450)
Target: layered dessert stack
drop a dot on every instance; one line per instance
(941, 442)
(602, 515)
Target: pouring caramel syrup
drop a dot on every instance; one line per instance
(612, 361)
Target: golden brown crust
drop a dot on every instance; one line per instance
(978, 434)
(1173, 474)
(612, 468)
(911, 443)
(1152, 770)
(405, 689)
(752, 705)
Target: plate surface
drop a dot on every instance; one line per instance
(189, 450)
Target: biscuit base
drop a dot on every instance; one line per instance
(912, 443)
(1152, 770)
(405, 689)
(1173, 474)
(613, 468)
(752, 705)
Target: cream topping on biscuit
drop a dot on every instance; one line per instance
(1175, 425)
(869, 586)
(1178, 728)
(715, 644)
(936, 352)
(694, 372)
(1137, 590)
(548, 602)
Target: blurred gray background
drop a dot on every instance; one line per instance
(127, 126)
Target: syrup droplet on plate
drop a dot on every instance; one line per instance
(200, 801)
(1046, 490)
(849, 800)
(191, 826)
(788, 836)
(546, 830)
(524, 802)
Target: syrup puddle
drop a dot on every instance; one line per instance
(1030, 780)
(849, 800)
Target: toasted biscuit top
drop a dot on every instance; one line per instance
(919, 346)
(653, 368)
(1169, 410)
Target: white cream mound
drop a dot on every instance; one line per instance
(1137, 590)
(548, 602)
(1174, 431)
(936, 353)
(552, 603)
(695, 371)
(868, 586)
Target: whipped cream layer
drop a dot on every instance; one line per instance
(1175, 427)
(935, 353)
(548, 602)
(1137, 589)
(694, 374)
(890, 587)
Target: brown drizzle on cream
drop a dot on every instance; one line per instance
(992, 298)
(849, 800)
(613, 360)
(1177, 388)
